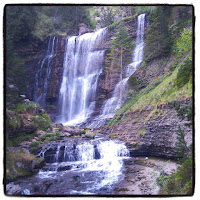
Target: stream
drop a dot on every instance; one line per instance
(81, 168)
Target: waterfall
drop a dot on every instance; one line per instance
(101, 158)
(43, 74)
(112, 104)
(82, 67)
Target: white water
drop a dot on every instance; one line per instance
(82, 67)
(43, 74)
(107, 167)
(112, 104)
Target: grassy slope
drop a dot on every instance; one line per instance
(161, 90)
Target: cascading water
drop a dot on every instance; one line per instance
(82, 67)
(43, 74)
(84, 167)
(112, 104)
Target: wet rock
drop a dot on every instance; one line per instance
(96, 153)
(12, 189)
(90, 134)
(64, 168)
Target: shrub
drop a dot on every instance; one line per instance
(43, 122)
(184, 73)
(34, 147)
(184, 43)
(30, 107)
(22, 137)
(179, 183)
(50, 136)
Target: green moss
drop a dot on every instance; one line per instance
(112, 135)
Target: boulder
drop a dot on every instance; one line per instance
(64, 168)
(12, 189)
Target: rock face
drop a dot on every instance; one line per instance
(55, 74)
(155, 135)
(83, 29)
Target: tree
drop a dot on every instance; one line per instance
(181, 145)
(121, 49)
(158, 39)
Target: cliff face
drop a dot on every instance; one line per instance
(148, 134)
(56, 65)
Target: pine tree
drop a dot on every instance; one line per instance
(181, 145)
(121, 49)
(158, 38)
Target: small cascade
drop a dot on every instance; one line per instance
(43, 74)
(112, 104)
(85, 151)
(82, 67)
(98, 164)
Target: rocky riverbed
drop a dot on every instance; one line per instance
(140, 175)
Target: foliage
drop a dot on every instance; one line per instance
(179, 183)
(114, 25)
(142, 9)
(34, 147)
(121, 48)
(184, 74)
(184, 111)
(181, 145)
(42, 122)
(50, 136)
(21, 137)
(158, 41)
(19, 164)
(160, 91)
(13, 121)
(184, 42)
(29, 107)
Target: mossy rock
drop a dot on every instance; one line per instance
(19, 164)
(90, 134)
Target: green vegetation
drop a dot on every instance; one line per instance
(141, 132)
(21, 137)
(30, 107)
(120, 50)
(34, 147)
(184, 74)
(113, 25)
(50, 137)
(19, 164)
(184, 42)
(158, 39)
(181, 145)
(185, 111)
(161, 90)
(43, 122)
(179, 183)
